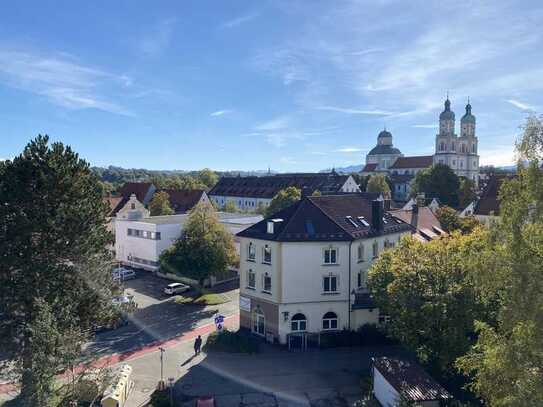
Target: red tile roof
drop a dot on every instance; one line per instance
(113, 202)
(140, 189)
(421, 161)
(489, 203)
(423, 220)
(369, 168)
(183, 200)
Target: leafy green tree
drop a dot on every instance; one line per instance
(450, 221)
(160, 204)
(208, 177)
(506, 362)
(55, 279)
(378, 183)
(284, 199)
(427, 289)
(466, 192)
(361, 180)
(438, 181)
(316, 193)
(205, 247)
(230, 206)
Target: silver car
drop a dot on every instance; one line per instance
(176, 288)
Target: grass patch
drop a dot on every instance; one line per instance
(232, 342)
(202, 299)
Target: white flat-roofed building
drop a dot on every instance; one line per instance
(139, 242)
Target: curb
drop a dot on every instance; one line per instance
(113, 359)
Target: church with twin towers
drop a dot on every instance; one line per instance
(459, 152)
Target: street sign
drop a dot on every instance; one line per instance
(219, 322)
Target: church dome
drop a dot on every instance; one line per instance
(447, 114)
(468, 117)
(384, 149)
(385, 133)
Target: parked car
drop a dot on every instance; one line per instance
(176, 288)
(206, 401)
(122, 274)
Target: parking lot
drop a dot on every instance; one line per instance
(157, 316)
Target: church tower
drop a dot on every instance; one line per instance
(458, 152)
(468, 148)
(446, 139)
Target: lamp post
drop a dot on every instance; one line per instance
(161, 385)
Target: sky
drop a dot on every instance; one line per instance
(246, 85)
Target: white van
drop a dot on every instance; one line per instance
(122, 274)
(176, 288)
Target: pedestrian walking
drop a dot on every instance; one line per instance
(197, 345)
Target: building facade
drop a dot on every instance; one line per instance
(140, 241)
(251, 193)
(304, 270)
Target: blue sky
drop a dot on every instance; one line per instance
(294, 85)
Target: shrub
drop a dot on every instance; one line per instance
(160, 398)
(228, 341)
(366, 335)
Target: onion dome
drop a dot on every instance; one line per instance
(447, 114)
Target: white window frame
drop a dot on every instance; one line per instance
(375, 249)
(329, 321)
(360, 253)
(264, 261)
(330, 249)
(250, 273)
(330, 277)
(298, 322)
(251, 254)
(264, 277)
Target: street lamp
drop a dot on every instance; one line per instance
(161, 385)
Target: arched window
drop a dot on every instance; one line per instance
(329, 321)
(298, 323)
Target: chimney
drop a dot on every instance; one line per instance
(415, 215)
(387, 204)
(377, 213)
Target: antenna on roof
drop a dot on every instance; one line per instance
(468, 100)
(447, 93)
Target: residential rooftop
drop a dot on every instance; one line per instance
(327, 218)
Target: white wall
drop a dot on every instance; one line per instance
(126, 246)
(383, 391)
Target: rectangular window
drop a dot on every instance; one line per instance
(130, 232)
(330, 256)
(251, 252)
(330, 284)
(266, 254)
(360, 252)
(359, 279)
(157, 235)
(267, 284)
(375, 248)
(251, 280)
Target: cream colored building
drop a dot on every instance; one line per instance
(304, 270)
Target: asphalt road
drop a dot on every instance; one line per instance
(157, 318)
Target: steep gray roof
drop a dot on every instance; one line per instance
(269, 186)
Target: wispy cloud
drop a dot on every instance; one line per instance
(62, 80)
(278, 131)
(238, 21)
(346, 110)
(220, 113)
(158, 38)
(349, 150)
(426, 126)
(500, 155)
(521, 105)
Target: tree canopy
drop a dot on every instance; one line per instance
(206, 248)
(438, 181)
(55, 276)
(506, 362)
(283, 199)
(427, 289)
(378, 183)
(160, 204)
(450, 220)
